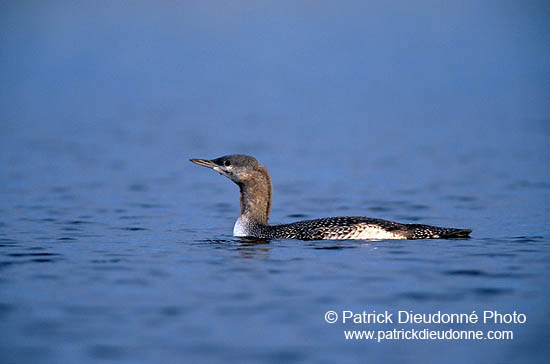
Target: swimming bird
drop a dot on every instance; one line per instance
(255, 186)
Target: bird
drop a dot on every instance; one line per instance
(255, 187)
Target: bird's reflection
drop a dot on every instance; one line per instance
(251, 241)
(251, 247)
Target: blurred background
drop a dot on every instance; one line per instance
(428, 111)
(265, 75)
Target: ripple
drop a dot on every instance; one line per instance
(60, 189)
(480, 273)
(297, 216)
(131, 282)
(529, 185)
(219, 241)
(465, 272)
(527, 239)
(461, 198)
(223, 207)
(133, 228)
(103, 261)
(399, 252)
(107, 352)
(325, 300)
(333, 247)
(70, 228)
(44, 327)
(5, 264)
(492, 255)
(6, 309)
(420, 296)
(133, 217)
(405, 218)
(416, 207)
(77, 222)
(285, 356)
(172, 311)
(48, 277)
(32, 255)
(484, 291)
(380, 208)
(105, 267)
(136, 187)
(43, 260)
(36, 207)
(149, 205)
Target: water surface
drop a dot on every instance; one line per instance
(114, 247)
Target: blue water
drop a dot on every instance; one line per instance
(113, 246)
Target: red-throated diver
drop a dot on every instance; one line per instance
(255, 185)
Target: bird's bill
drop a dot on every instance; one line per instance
(204, 162)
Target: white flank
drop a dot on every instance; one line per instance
(374, 233)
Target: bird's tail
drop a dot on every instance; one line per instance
(455, 233)
(418, 231)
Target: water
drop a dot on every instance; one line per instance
(114, 247)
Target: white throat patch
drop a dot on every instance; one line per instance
(240, 228)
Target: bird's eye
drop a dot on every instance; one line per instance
(227, 163)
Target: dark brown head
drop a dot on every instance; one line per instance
(253, 179)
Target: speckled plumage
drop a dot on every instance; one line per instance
(255, 187)
(353, 227)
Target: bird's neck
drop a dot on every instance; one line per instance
(256, 197)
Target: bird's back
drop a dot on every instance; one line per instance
(355, 227)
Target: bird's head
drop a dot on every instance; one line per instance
(237, 167)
